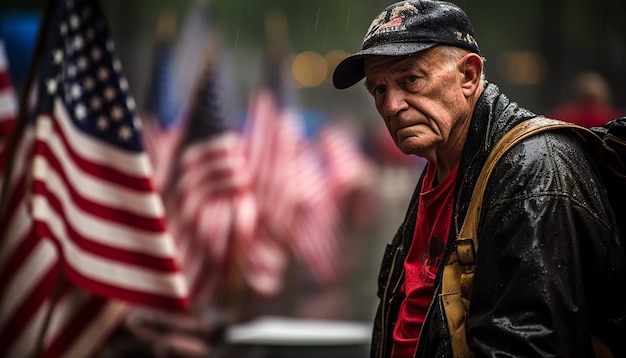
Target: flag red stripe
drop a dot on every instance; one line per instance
(5, 78)
(6, 125)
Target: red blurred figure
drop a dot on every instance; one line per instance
(591, 103)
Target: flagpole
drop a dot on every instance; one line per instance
(22, 118)
(14, 139)
(56, 293)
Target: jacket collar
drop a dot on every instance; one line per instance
(494, 115)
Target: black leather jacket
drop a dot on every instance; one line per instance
(550, 268)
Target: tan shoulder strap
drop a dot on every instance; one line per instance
(458, 272)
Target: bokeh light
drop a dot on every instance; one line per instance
(309, 69)
(522, 67)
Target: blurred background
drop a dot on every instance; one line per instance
(536, 52)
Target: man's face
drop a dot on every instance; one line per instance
(420, 99)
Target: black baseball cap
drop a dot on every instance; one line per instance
(408, 27)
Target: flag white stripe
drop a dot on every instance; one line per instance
(8, 102)
(4, 63)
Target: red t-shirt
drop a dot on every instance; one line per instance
(434, 218)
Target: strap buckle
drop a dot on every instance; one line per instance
(466, 251)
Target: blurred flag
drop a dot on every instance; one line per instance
(161, 99)
(8, 104)
(296, 205)
(350, 175)
(209, 200)
(197, 37)
(264, 262)
(315, 230)
(345, 163)
(295, 201)
(161, 130)
(88, 230)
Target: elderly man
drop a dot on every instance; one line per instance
(550, 258)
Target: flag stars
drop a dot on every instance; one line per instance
(103, 74)
(95, 104)
(74, 22)
(117, 113)
(102, 123)
(109, 94)
(80, 112)
(71, 70)
(51, 86)
(123, 84)
(91, 34)
(69, 49)
(110, 45)
(96, 54)
(57, 55)
(76, 91)
(125, 133)
(78, 42)
(117, 65)
(63, 28)
(83, 64)
(89, 83)
(130, 103)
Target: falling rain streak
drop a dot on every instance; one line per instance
(237, 37)
(317, 19)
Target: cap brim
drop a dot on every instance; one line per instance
(350, 70)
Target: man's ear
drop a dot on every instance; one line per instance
(472, 68)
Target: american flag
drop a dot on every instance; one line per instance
(314, 231)
(88, 233)
(296, 207)
(351, 175)
(210, 204)
(264, 262)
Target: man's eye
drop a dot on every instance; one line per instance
(379, 90)
(411, 79)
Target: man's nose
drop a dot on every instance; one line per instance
(395, 102)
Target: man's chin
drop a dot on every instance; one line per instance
(414, 146)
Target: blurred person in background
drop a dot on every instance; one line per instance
(591, 102)
(550, 248)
